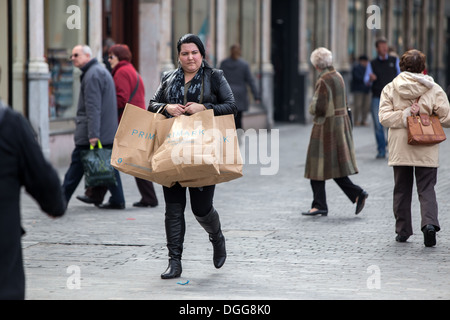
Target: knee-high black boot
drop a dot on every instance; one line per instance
(175, 230)
(211, 223)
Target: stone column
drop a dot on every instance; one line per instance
(166, 45)
(221, 31)
(149, 39)
(303, 61)
(38, 75)
(19, 26)
(95, 29)
(267, 70)
(339, 34)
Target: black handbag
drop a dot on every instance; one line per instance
(97, 167)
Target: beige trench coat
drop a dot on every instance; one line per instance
(395, 106)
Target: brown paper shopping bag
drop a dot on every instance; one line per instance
(187, 152)
(135, 143)
(230, 159)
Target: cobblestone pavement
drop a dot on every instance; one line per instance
(273, 251)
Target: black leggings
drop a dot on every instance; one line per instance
(201, 198)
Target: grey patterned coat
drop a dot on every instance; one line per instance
(331, 151)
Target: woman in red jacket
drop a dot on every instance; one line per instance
(129, 89)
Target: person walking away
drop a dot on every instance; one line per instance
(408, 161)
(22, 164)
(129, 89)
(361, 92)
(380, 71)
(239, 77)
(331, 152)
(96, 120)
(193, 87)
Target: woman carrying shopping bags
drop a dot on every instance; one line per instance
(193, 87)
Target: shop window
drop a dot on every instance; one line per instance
(193, 16)
(60, 38)
(357, 29)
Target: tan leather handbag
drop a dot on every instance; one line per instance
(424, 129)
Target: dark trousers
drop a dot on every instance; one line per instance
(76, 171)
(238, 120)
(147, 191)
(319, 193)
(426, 179)
(145, 187)
(201, 198)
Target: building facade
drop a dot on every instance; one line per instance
(277, 38)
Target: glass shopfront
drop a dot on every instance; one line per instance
(199, 17)
(242, 19)
(193, 16)
(13, 55)
(65, 27)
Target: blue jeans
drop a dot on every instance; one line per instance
(75, 173)
(379, 129)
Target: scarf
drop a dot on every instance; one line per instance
(194, 92)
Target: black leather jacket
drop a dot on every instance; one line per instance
(217, 94)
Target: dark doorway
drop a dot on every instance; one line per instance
(121, 24)
(288, 105)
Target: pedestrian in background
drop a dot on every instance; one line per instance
(107, 44)
(360, 91)
(21, 164)
(129, 89)
(331, 152)
(397, 103)
(193, 87)
(239, 77)
(96, 120)
(380, 71)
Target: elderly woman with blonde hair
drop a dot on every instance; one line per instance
(331, 152)
(413, 92)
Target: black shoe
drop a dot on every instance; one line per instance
(144, 205)
(429, 235)
(315, 213)
(112, 206)
(173, 270)
(380, 156)
(400, 238)
(88, 200)
(220, 252)
(361, 201)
